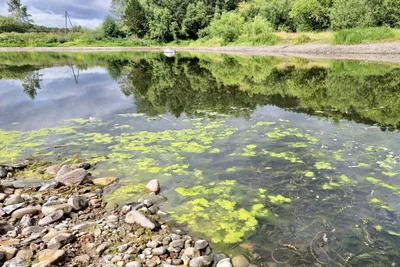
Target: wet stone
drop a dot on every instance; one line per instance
(85, 165)
(19, 166)
(138, 218)
(53, 217)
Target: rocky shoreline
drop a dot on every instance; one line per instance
(65, 222)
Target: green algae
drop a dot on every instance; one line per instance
(323, 165)
(126, 193)
(390, 174)
(279, 199)
(375, 201)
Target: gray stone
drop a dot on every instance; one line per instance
(177, 243)
(3, 172)
(50, 207)
(15, 262)
(13, 199)
(60, 240)
(85, 165)
(10, 209)
(224, 263)
(122, 248)
(138, 218)
(2, 196)
(201, 244)
(32, 229)
(83, 260)
(25, 211)
(202, 261)
(219, 256)
(53, 217)
(78, 202)
(153, 186)
(156, 199)
(75, 177)
(133, 264)
(27, 184)
(112, 219)
(240, 261)
(177, 262)
(50, 185)
(19, 166)
(63, 170)
(53, 170)
(159, 251)
(100, 249)
(6, 183)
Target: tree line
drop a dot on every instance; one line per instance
(169, 20)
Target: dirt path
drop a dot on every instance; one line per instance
(389, 52)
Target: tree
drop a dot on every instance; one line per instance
(18, 11)
(31, 84)
(309, 15)
(9, 24)
(118, 7)
(110, 28)
(135, 18)
(196, 19)
(229, 26)
(347, 14)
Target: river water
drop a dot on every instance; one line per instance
(289, 161)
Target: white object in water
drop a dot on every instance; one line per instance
(169, 52)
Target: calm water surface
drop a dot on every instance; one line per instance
(287, 161)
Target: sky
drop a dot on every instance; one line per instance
(88, 13)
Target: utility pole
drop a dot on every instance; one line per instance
(67, 17)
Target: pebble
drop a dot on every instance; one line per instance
(202, 261)
(53, 206)
(52, 170)
(240, 261)
(224, 263)
(100, 249)
(75, 177)
(177, 243)
(60, 240)
(201, 244)
(83, 260)
(134, 216)
(19, 166)
(78, 202)
(32, 229)
(3, 172)
(15, 262)
(25, 211)
(2, 196)
(53, 217)
(133, 264)
(188, 254)
(9, 252)
(85, 165)
(49, 186)
(14, 199)
(153, 186)
(122, 248)
(48, 257)
(159, 251)
(10, 209)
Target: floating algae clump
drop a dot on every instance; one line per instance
(279, 199)
(216, 213)
(321, 165)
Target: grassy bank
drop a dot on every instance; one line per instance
(87, 39)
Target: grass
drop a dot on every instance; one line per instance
(95, 38)
(366, 35)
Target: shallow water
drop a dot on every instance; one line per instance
(284, 160)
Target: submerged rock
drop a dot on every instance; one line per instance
(104, 181)
(138, 218)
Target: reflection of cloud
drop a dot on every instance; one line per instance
(96, 95)
(88, 13)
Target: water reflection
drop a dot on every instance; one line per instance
(359, 91)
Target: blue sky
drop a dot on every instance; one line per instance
(88, 13)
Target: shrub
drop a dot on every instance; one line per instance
(302, 39)
(364, 35)
(258, 32)
(9, 24)
(347, 14)
(228, 26)
(309, 15)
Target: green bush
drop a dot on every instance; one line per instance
(9, 24)
(278, 13)
(228, 26)
(309, 15)
(258, 32)
(302, 39)
(347, 14)
(364, 35)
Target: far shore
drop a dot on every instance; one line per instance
(389, 52)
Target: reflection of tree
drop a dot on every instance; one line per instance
(31, 84)
(362, 92)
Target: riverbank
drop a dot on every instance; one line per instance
(389, 52)
(66, 222)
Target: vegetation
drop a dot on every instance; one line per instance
(214, 22)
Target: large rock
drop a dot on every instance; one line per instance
(13, 199)
(53, 217)
(3, 172)
(63, 170)
(203, 261)
(75, 177)
(51, 184)
(25, 211)
(188, 254)
(104, 181)
(135, 216)
(9, 252)
(27, 184)
(47, 257)
(53, 206)
(201, 244)
(153, 186)
(78, 202)
(15, 262)
(240, 261)
(53, 170)
(225, 263)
